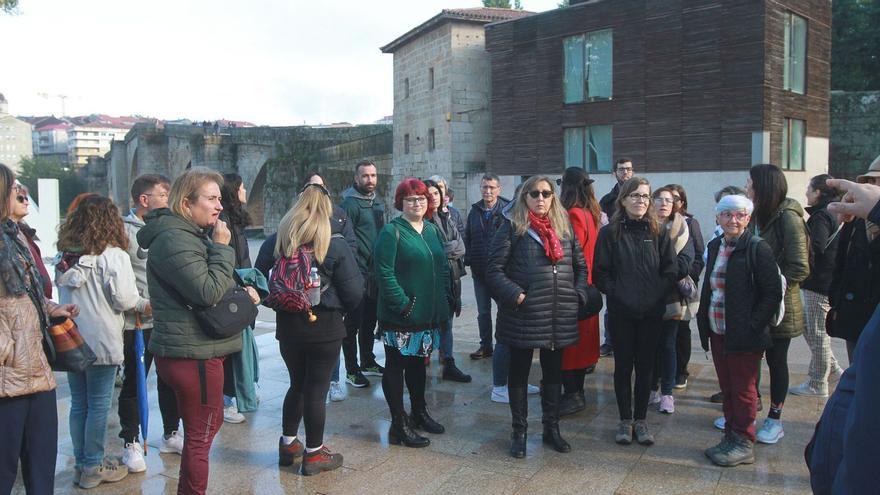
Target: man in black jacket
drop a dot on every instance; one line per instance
(623, 171)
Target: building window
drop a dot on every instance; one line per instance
(431, 146)
(794, 73)
(406, 144)
(431, 78)
(589, 148)
(793, 142)
(588, 67)
(406, 88)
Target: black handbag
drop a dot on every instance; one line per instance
(229, 317)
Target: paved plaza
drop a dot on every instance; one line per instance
(472, 456)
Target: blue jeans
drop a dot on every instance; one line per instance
(500, 364)
(90, 395)
(665, 364)
(445, 342)
(334, 377)
(484, 312)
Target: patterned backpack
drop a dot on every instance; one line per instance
(289, 283)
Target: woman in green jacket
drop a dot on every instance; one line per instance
(780, 221)
(413, 301)
(185, 260)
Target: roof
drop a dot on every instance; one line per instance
(480, 15)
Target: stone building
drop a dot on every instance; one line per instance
(15, 138)
(442, 121)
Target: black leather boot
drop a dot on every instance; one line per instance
(519, 411)
(550, 418)
(422, 420)
(401, 431)
(452, 373)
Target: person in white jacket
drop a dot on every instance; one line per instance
(94, 272)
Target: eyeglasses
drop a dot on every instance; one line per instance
(159, 195)
(416, 200)
(545, 193)
(638, 198)
(739, 215)
(676, 199)
(624, 170)
(664, 201)
(22, 199)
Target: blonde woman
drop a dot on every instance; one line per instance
(310, 349)
(537, 271)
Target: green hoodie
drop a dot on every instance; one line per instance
(198, 269)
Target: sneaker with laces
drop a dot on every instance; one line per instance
(290, 454)
(373, 370)
(133, 458)
(319, 461)
(357, 379)
(606, 350)
(231, 414)
(624, 435)
(640, 430)
(654, 398)
(667, 404)
(805, 389)
(172, 444)
(337, 392)
(681, 382)
(108, 472)
(499, 394)
(771, 431)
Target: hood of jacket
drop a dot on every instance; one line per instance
(158, 221)
(787, 204)
(76, 274)
(352, 192)
(132, 219)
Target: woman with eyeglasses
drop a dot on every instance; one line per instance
(537, 272)
(413, 305)
(741, 292)
(19, 211)
(780, 221)
(667, 211)
(636, 267)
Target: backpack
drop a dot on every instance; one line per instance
(289, 282)
(751, 251)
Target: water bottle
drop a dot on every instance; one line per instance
(314, 287)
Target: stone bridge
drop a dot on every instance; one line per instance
(271, 160)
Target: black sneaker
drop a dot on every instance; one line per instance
(605, 350)
(357, 379)
(681, 382)
(373, 370)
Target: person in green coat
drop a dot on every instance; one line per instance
(780, 222)
(198, 267)
(414, 300)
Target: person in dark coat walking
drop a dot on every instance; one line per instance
(537, 272)
(636, 267)
(741, 292)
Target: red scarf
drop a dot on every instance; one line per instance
(552, 246)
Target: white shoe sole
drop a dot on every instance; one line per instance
(771, 441)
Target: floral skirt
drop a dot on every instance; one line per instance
(419, 343)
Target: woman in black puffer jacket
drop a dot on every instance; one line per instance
(537, 272)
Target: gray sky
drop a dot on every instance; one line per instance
(270, 62)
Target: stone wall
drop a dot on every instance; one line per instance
(855, 132)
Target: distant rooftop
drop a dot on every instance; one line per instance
(480, 15)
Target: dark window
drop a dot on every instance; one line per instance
(431, 146)
(406, 88)
(406, 144)
(431, 78)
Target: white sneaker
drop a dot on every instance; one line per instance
(530, 389)
(720, 423)
(654, 398)
(173, 444)
(133, 458)
(231, 414)
(337, 392)
(770, 432)
(499, 394)
(808, 390)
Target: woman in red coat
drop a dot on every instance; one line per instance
(585, 216)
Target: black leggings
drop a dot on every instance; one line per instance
(309, 366)
(573, 380)
(777, 361)
(635, 346)
(397, 369)
(521, 363)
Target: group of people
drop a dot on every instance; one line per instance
(546, 258)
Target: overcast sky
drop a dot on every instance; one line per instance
(272, 62)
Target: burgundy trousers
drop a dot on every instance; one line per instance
(198, 386)
(737, 376)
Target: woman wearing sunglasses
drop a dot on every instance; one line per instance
(17, 214)
(537, 272)
(635, 266)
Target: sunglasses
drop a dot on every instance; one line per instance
(21, 199)
(535, 194)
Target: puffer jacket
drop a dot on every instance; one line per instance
(103, 286)
(26, 369)
(196, 268)
(547, 317)
(822, 225)
(637, 271)
(786, 233)
(453, 244)
(478, 232)
(750, 299)
(138, 256)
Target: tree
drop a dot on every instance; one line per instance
(855, 45)
(8, 6)
(500, 4)
(69, 184)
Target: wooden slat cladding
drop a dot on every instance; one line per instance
(691, 82)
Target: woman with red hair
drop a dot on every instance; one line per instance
(413, 302)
